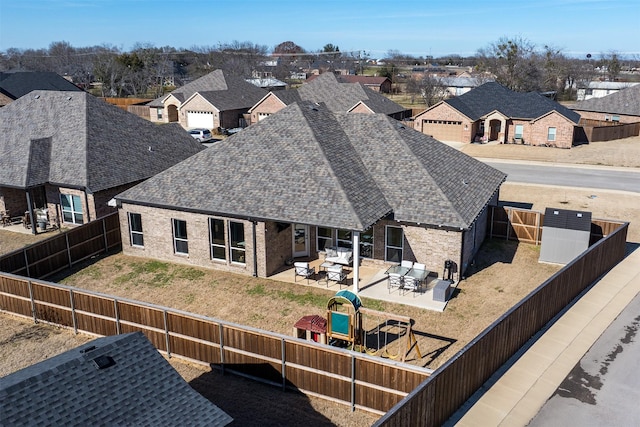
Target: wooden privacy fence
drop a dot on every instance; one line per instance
(64, 250)
(440, 395)
(343, 376)
(525, 225)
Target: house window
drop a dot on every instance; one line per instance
(518, 132)
(393, 244)
(135, 229)
(236, 239)
(344, 239)
(551, 134)
(159, 111)
(366, 243)
(216, 236)
(71, 209)
(324, 237)
(615, 118)
(180, 242)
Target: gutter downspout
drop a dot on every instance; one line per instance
(356, 261)
(255, 250)
(460, 268)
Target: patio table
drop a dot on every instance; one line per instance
(397, 269)
(419, 275)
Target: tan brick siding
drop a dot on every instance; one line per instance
(269, 105)
(591, 115)
(564, 131)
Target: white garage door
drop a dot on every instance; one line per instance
(199, 119)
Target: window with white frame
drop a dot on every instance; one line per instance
(518, 131)
(551, 134)
(135, 229)
(180, 242)
(159, 112)
(71, 209)
(324, 238)
(237, 242)
(394, 237)
(216, 237)
(615, 118)
(344, 238)
(366, 243)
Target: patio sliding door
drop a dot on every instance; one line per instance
(300, 240)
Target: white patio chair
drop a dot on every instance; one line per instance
(336, 274)
(302, 269)
(410, 283)
(408, 264)
(395, 281)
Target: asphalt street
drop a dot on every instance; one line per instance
(597, 177)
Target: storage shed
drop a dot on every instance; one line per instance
(565, 235)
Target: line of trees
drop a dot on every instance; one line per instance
(147, 70)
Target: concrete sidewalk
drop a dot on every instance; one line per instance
(519, 394)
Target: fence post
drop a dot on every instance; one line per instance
(284, 365)
(104, 234)
(493, 210)
(73, 313)
(66, 239)
(115, 307)
(26, 262)
(33, 304)
(509, 218)
(220, 331)
(353, 383)
(166, 332)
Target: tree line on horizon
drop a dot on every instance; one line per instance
(147, 70)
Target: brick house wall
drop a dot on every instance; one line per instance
(198, 103)
(592, 115)
(361, 109)
(527, 133)
(269, 105)
(565, 130)
(13, 200)
(445, 112)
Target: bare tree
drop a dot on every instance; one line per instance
(513, 62)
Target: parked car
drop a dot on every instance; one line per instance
(200, 135)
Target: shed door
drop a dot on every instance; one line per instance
(443, 130)
(199, 119)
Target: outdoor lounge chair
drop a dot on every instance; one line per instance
(335, 273)
(302, 269)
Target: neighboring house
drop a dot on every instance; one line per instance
(622, 106)
(216, 100)
(268, 83)
(70, 153)
(13, 85)
(308, 178)
(456, 86)
(600, 89)
(377, 84)
(118, 380)
(338, 97)
(491, 112)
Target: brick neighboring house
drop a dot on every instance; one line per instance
(338, 97)
(376, 84)
(216, 100)
(622, 106)
(70, 153)
(491, 112)
(13, 85)
(307, 178)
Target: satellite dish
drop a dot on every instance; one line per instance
(588, 56)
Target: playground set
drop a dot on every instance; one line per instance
(344, 327)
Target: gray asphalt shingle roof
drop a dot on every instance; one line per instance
(222, 89)
(626, 101)
(309, 165)
(78, 140)
(138, 388)
(20, 83)
(493, 96)
(340, 97)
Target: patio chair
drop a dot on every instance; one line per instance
(336, 274)
(419, 266)
(395, 281)
(302, 269)
(410, 283)
(408, 264)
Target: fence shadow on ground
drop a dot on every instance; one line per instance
(493, 251)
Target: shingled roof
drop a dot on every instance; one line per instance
(492, 96)
(221, 88)
(75, 139)
(306, 164)
(626, 102)
(117, 380)
(339, 97)
(20, 83)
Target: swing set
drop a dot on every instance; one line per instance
(344, 326)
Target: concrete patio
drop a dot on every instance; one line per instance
(373, 284)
